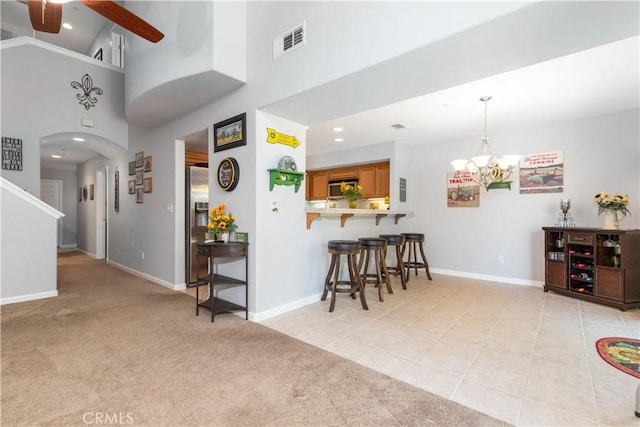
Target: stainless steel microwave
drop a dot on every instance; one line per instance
(334, 188)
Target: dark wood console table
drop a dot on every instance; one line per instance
(213, 250)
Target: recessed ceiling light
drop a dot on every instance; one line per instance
(78, 139)
(56, 156)
(337, 129)
(67, 26)
(339, 139)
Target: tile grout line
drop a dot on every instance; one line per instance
(533, 350)
(586, 353)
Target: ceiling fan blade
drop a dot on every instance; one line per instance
(45, 17)
(121, 16)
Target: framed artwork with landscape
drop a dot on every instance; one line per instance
(230, 133)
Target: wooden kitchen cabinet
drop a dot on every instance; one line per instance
(318, 185)
(374, 179)
(343, 173)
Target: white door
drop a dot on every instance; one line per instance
(51, 194)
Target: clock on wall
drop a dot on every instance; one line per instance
(228, 174)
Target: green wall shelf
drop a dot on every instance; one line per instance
(285, 177)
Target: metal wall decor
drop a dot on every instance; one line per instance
(86, 98)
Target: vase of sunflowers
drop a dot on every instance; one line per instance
(613, 209)
(220, 224)
(352, 193)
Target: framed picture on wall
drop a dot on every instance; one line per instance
(139, 195)
(132, 168)
(148, 185)
(91, 192)
(132, 187)
(230, 133)
(79, 194)
(139, 159)
(139, 177)
(148, 163)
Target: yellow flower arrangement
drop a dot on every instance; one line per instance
(617, 202)
(350, 192)
(219, 222)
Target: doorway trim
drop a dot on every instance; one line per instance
(102, 213)
(58, 188)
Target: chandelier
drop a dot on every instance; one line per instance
(484, 168)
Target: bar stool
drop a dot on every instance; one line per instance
(414, 241)
(337, 248)
(396, 240)
(378, 247)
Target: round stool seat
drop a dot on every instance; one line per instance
(414, 236)
(344, 245)
(393, 239)
(372, 242)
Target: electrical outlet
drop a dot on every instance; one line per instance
(500, 259)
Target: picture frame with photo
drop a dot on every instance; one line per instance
(132, 187)
(147, 164)
(242, 237)
(139, 159)
(139, 177)
(148, 185)
(132, 168)
(230, 133)
(139, 195)
(91, 192)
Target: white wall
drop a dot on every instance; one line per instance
(29, 226)
(38, 100)
(600, 154)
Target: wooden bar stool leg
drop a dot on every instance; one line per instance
(400, 267)
(328, 279)
(334, 289)
(385, 272)
(354, 274)
(424, 259)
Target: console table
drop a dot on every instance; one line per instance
(236, 251)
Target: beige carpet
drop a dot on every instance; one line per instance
(116, 349)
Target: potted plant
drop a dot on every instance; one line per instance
(352, 193)
(610, 206)
(220, 224)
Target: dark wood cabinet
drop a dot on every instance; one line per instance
(594, 264)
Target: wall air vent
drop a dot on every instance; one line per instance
(289, 40)
(398, 126)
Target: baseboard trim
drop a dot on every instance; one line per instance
(29, 297)
(176, 287)
(501, 279)
(281, 309)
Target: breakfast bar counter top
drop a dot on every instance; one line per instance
(345, 214)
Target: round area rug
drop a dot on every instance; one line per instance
(622, 353)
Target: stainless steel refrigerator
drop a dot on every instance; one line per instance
(197, 216)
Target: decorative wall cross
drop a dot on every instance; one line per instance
(86, 86)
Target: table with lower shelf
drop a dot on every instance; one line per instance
(230, 251)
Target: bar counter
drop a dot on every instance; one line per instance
(345, 214)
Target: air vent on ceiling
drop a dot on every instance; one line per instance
(289, 40)
(398, 126)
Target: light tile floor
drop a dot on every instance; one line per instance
(513, 352)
